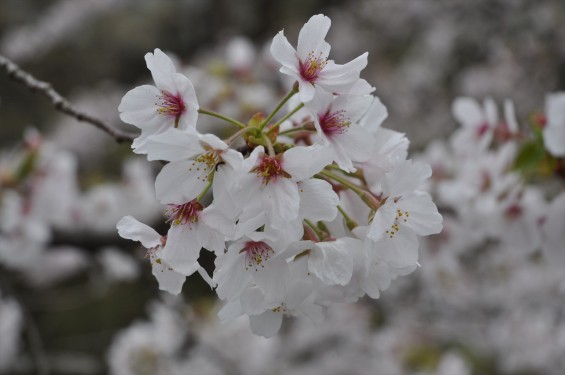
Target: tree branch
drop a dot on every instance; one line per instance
(59, 102)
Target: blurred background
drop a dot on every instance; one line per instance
(62, 313)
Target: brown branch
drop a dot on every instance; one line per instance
(59, 102)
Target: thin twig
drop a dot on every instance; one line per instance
(59, 102)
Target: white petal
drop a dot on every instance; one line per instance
(283, 52)
(266, 324)
(304, 162)
(467, 112)
(382, 221)
(173, 145)
(281, 201)
(405, 178)
(182, 250)
(306, 91)
(318, 201)
(132, 229)
(162, 69)
(180, 181)
(231, 275)
(273, 278)
(510, 116)
(332, 262)
(312, 35)
(138, 107)
(375, 116)
(400, 251)
(424, 218)
(169, 280)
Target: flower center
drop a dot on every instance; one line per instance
(482, 129)
(205, 164)
(400, 217)
(186, 213)
(334, 122)
(256, 253)
(311, 68)
(170, 105)
(270, 168)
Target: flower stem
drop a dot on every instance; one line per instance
(221, 117)
(315, 229)
(269, 144)
(237, 134)
(206, 189)
(286, 117)
(299, 128)
(285, 99)
(362, 193)
(348, 220)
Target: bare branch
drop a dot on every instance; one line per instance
(59, 102)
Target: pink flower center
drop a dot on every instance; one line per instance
(256, 253)
(170, 105)
(482, 129)
(270, 169)
(514, 211)
(334, 122)
(186, 213)
(311, 67)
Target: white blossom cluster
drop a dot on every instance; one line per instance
(496, 270)
(177, 340)
(43, 208)
(316, 208)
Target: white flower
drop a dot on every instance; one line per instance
(267, 191)
(554, 130)
(195, 160)
(336, 119)
(169, 279)
(478, 124)
(253, 260)
(405, 206)
(309, 63)
(188, 234)
(172, 103)
(265, 315)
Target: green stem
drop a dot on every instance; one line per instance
(348, 220)
(237, 134)
(348, 174)
(315, 229)
(300, 128)
(206, 189)
(285, 99)
(286, 117)
(359, 191)
(269, 144)
(364, 195)
(222, 117)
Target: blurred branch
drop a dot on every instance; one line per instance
(59, 102)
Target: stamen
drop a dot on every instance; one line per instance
(270, 169)
(334, 122)
(401, 216)
(186, 213)
(205, 164)
(170, 105)
(256, 253)
(312, 66)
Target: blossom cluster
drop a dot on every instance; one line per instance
(483, 282)
(319, 207)
(43, 212)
